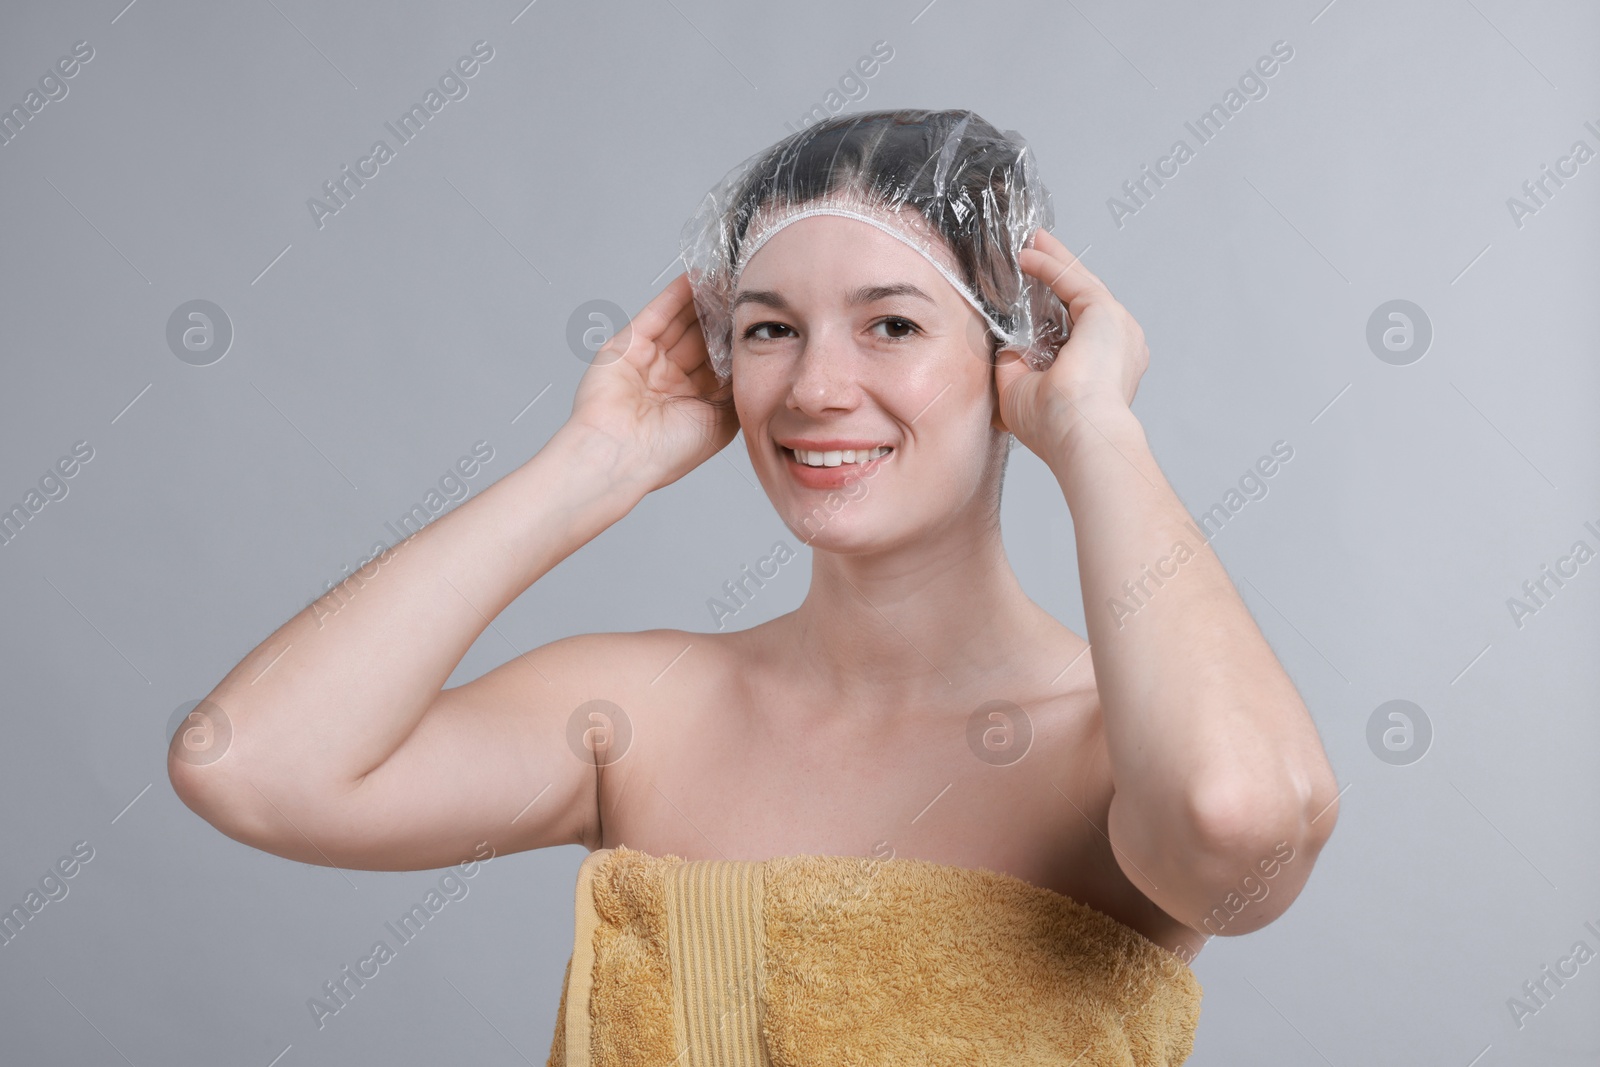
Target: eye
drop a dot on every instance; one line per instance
(895, 322)
(901, 329)
(750, 332)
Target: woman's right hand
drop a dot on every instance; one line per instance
(651, 391)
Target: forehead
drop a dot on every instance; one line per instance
(830, 252)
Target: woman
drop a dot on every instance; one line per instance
(918, 704)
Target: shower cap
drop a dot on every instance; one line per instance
(963, 194)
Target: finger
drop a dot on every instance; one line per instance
(1068, 262)
(1009, 365)
(689, 353)
(650, 330)
(686, 317)
(704, 379)
(1047, 242)
(653, 320)
(1076, 287)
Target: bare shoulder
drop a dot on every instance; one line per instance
(534, 737)
(637, 690)
(659, 661)
(619, 661)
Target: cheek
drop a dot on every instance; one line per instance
(757, 391)
(979, 342)
(955, 446)
(950, 375)
(960, 380)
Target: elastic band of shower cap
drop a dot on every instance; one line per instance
(891, 223)
(962, 194)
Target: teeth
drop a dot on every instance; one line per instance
(834, 459)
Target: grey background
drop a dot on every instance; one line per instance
(431, 311)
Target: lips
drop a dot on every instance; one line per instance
(832, 477)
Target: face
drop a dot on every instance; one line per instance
(845, 338)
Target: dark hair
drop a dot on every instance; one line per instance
(953, 166)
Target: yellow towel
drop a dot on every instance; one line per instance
(804, 961)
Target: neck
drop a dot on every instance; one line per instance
(919, 627)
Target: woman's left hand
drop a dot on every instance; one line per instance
(1103, 358)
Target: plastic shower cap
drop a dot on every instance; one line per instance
(960, 192)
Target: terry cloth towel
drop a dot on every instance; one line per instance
(812, 960)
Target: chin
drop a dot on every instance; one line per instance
(830, 529)
(847, 529)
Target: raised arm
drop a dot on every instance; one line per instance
(335, 743)
(1219, 775)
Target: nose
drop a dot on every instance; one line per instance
(824, 374)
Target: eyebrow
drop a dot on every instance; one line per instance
(865, 294)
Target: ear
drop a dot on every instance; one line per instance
(1003, 370)
(995, 421)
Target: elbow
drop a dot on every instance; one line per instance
(198, 758)
(195, 757)
(1242, 818)
(1254, 848)
(214, 781)
(214, 794)
(234, 805)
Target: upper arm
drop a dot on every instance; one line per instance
(489, 762)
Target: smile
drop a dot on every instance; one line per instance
(838, 458)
